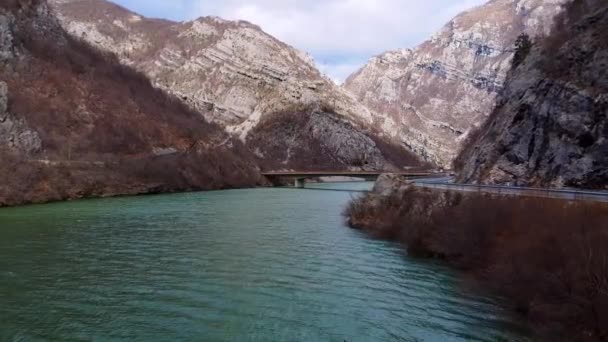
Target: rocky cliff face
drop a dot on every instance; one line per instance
(232, 71)
(550, 127)
(76, 123)
(14, 132)
(431, 97)
(315, 137)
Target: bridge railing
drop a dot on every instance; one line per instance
(521, 191)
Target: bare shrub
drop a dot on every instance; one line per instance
(547, 256)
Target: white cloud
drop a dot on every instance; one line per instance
(339, 30)
(343, 26)
(339, 71)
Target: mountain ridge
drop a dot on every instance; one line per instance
(430, 97)
(232, 71)
(75, 123)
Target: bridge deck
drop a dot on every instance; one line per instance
(362, 174)
(443, 182)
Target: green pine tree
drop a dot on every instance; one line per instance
(523, 46)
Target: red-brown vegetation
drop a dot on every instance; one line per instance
(547, 257)
(34, 181)
(100, 123)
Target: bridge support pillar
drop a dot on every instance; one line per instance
(299, 183)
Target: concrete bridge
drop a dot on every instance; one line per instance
(300, 177)
(443, 181)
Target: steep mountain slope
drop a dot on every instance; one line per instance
(76, 123)
(550, 127)
(232, 71)
(430, 97)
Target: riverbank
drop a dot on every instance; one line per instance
(547, 257)
(26, 182)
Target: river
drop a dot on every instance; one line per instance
(238, 265)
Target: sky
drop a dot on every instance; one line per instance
(340, 34)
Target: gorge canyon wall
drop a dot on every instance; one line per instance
(550, 127)
(237, 76)
(431, 97)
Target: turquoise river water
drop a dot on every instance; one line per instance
(239, 265)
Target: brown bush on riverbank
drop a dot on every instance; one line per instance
(548, 257)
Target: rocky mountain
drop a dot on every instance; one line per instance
(431, 97)
(76, 123)
(550, 127)
(238, 76)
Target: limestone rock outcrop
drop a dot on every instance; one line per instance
(298, 140)
(429, 98)
(550, 127)
(14, 133)
(231, 71)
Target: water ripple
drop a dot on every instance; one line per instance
(255, 265)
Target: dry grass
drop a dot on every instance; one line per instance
(547, 257)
